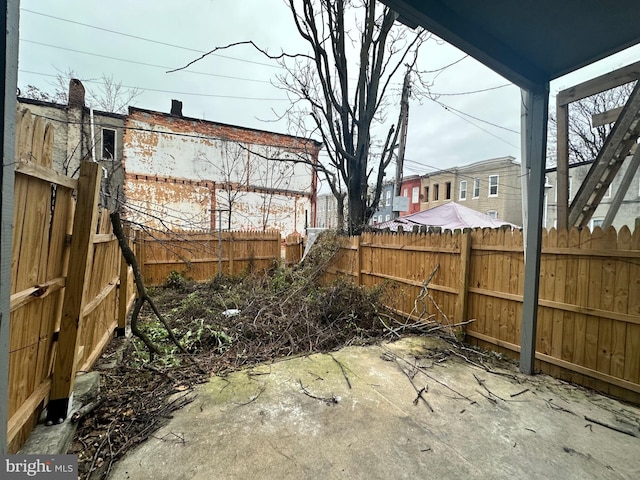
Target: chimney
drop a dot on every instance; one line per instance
(176, 108)
(76, 93)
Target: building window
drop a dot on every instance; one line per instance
(436, 192)
(388, 198)
(493, 214)
(108, 144)
(463, 190)
(447, 190)
(426, 194)
(493, 185)
(387, 218)
(379, 218)
(596, 222)
(607, 194)
(415, 194)
(476, 187)
(405, 193)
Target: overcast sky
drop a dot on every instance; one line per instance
(235, 86)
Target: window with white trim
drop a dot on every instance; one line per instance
(389, 198)
(415, 194)
(493, 185)
(463, 190)
(476, 188)
(596, 222)
(387, 218)
(405, 193)
(607, 194)
(493, 214)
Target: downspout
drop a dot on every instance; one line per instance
(93, 136)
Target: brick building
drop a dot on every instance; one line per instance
(176, 172)
(182, 172)
(410, 189)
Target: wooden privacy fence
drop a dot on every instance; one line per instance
(200, 256)
(588, 312)
(65, 301)
(294, 248)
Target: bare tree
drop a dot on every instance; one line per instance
(585, 141)
(108, 96)
(340, 91)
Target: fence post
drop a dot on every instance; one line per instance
(358, 261)
(123, 293)
(230, 250)
(78, 274)
(463, 279)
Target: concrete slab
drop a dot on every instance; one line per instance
(56, 439)
(264, 422)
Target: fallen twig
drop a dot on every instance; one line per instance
(344, 373)
(553, 406)
(481, 382)
(519, 393)
(395, 357)
(612, 427)
(252, 399)
(327, 400)
(85, 410)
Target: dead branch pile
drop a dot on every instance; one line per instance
(224, 325)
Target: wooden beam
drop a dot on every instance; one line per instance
(599, 84)
(605, 118)
(562, 164)
(415, 283)
(20, 417)
(358, 266)
(567, 307)
(46, 174)
(463, 277)
(614, 151)
(619, 382)
(621, 192)
(36, 292)
(80, 263)
(104, 293)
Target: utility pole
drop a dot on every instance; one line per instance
(404, 121)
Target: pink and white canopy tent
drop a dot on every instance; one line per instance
(448, 216)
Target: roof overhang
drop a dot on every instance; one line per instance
(529, 42)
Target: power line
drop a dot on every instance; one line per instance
(472, 91)
(479, 127)
(455, 110)
(146, 39)
(170, 91)
(164, 67)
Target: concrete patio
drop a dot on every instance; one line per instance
(357, 414)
